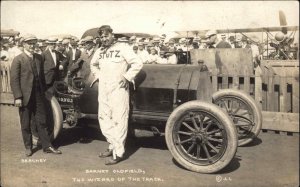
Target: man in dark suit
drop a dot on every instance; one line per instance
(28, 86)
(51, 63)
(62, 58)
(81, 67)
(214, 42)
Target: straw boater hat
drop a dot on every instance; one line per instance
(51, 40)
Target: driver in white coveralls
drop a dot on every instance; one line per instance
(114, 64)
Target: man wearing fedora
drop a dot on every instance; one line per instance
(28, 87)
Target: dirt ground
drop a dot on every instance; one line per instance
(271, 160)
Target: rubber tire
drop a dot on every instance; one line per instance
(222, 117)
(56, 115)
(250, 101)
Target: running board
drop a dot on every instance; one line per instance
(136, 115)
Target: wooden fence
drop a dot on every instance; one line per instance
(275, 86)
(275, 93)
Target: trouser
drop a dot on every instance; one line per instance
(113, 115)
(35, 110)
(33, 128)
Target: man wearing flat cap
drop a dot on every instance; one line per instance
(115, 65)
(28, 87)
(214, 42)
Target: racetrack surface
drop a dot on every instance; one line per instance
(271, 160)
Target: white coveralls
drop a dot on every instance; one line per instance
(109, 66)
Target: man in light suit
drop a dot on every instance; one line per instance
(28, 87)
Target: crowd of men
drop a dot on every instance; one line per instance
(157, 50)
(36, 64)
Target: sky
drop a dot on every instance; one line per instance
(75, 17)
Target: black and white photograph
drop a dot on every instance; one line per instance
(149, 93)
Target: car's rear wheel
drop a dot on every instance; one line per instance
(243, 110)
(201, 137)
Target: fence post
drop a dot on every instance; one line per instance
(270, 93)
(283, 93)
(276, 95)
(295, 93)
(258, 86)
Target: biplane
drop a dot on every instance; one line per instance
(276, 43)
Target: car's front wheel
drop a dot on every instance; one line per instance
(201, 137)
(54, 117)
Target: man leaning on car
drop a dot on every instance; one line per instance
(115, 65)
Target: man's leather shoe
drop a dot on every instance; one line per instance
(112, 161)
(52, 150)
(28, 152)
(107, 153)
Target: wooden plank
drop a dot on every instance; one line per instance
(247, 84)
(289, 95)
(229, 61)
(283, 93)
(295, 91)
(280, 121)
(214, 75)
(276, 93)
(258, 86)
(235, 82)
(270, 93)
(264, 88)
(224, 81)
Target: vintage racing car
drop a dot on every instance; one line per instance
(202, 129)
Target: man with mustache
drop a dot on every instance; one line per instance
(28, 87)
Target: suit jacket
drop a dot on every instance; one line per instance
(50, 68)
(70, 56)
(22, 76)
(63, 60)
(82, 66)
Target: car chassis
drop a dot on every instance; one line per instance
(202, 129)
